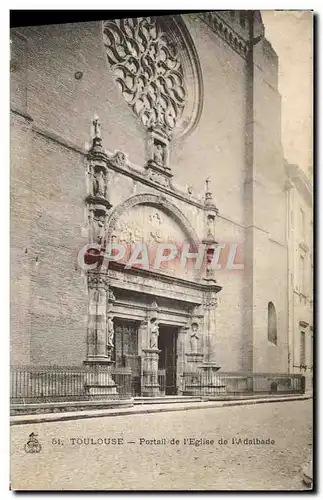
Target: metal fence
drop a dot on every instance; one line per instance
(162, 382)
(151, 379)
(209, 382)
(30, 384)
(134, 363)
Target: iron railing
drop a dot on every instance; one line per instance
(208, 382)
(162, 382)
(134, 363)
(29, 384)
(152, 379)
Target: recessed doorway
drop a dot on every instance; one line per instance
(167, 342)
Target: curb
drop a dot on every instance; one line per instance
(142, 409)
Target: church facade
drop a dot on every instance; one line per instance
(153, 133)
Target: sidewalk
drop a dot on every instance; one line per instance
(148, 408)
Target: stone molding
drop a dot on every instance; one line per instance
(202, 286)
(118, 163)
(226, 32)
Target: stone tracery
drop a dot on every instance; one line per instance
(147, 70)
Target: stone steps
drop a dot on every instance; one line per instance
(140, 400)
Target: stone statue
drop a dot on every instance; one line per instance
(96, 128)
(194, 340)
(154, 332)
(210, 226)
(110, 342)
(99, 228)
(156, 232)
(99, 184)
(159, 155)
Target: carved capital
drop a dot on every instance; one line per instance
(97, 280)
(210, 303)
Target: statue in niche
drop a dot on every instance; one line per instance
(154, 305)
(210, 226)
(99, 228)
(159, 154)
(194, 340)
(154, 332)
(99, 188)
(110, 333)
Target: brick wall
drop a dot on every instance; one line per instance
(48, 184)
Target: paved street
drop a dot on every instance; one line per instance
(73, 464)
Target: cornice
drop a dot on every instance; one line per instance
(226, 32)
(202, 287)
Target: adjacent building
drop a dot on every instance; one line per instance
(300, 271)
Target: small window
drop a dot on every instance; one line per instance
(272, 324)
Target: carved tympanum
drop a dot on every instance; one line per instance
(147, 70)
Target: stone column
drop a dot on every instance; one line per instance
(97, 317)
(150, 386)
(150, 353)
(209, 306)
(211, 384)
(181, 358)
(193, 355)
(98, 378)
